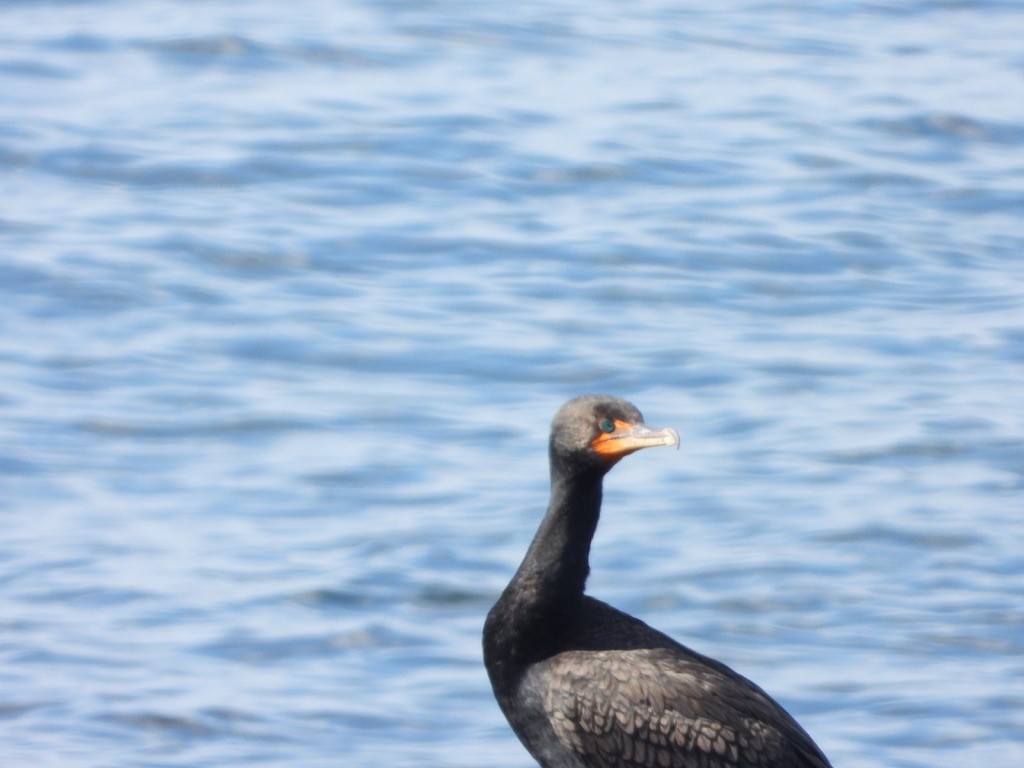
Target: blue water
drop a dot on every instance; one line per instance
(290, 292)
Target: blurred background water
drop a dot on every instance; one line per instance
(289, 294)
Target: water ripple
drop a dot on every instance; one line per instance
(288, 298)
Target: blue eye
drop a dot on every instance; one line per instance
(607, 426)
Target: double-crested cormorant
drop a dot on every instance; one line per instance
(586, 686)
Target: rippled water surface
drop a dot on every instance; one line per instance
(290, 292)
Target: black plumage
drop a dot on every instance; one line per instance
(587, 686)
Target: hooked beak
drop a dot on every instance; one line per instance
(628, 438)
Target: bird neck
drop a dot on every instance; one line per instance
(557, 563)
(527, 621)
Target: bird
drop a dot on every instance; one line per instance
(584, 685)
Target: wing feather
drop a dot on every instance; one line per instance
(650, 708)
